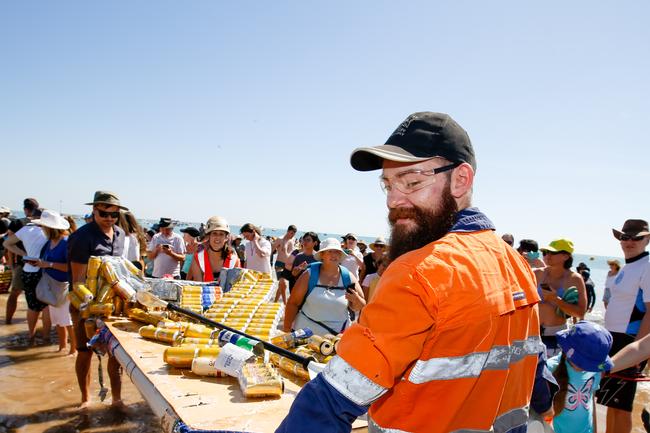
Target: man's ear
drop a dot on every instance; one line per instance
(462, 180)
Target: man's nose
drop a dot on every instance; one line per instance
(395, 198)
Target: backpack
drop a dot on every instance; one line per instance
(314, 274)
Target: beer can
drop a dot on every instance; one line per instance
(264, 322)
(82, 292)
(159, 334)
(192, 289)
(104, 293)
(75, 300)
(182, 357)
(132, 268)
(320, 345)
(94, 263)
(200, 341)
(288, 365)
(103, 310)
(205, 366)
(124, 290)
(108, 272)
(91, 285)
(199, 331)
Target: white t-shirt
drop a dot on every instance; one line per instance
(33, 239)
(351, 263)
(131, 248)
(254, 260)
(630, 290)
(368, 279)
(163, 264)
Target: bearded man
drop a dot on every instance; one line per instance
(450, 340)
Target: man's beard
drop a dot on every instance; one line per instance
(431, 225)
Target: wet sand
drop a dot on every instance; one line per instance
(39, 393)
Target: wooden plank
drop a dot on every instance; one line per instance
(202, 402)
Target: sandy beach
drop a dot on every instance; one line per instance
(40, 393)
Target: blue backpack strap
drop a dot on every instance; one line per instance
(314, 273)
(345, 276)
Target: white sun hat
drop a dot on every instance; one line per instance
(328, 245)
(52, 220)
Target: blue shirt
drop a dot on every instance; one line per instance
(58, 254)
(578, 415)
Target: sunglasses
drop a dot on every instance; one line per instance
(551, 253)
(630, 238)
(104, 214)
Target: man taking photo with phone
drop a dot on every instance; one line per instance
(167, 250)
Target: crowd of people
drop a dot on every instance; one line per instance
(447, 311)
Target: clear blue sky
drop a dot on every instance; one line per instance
(250, 110)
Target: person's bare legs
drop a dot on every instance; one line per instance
(12, 304)
(82, 368)
(47, 325)
(73, 340)
(621, 421)
(116, 383)
(63, 339)
(32, 318)
(282, 290)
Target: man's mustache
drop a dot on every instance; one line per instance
(401, 212)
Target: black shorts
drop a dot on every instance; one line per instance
(614, 392)
(30, 281)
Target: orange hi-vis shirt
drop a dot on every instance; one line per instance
(449, 343)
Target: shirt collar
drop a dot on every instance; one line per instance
(116, 230)
(471, 220)
(635, 258)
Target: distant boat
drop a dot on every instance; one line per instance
(592, 258)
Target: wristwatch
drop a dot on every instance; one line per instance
(51, 265)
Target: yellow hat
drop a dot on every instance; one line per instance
(559, 245)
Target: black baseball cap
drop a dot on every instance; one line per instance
(192, 231)
(420, 137)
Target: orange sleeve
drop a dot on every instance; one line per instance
(393, 326)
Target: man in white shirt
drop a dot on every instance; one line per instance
(627, 320)
(167, 250)
(258, 249)
(354, 259)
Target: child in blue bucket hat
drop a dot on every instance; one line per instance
(585, 355)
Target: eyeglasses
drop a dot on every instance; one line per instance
(412, 180)
(630, 238)
(104, 214)
(551, 253)
(381, 247)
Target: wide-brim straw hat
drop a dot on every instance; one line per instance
(108, 198)
(379, 241)
(52, 220)
(329, 244)
(216, 223)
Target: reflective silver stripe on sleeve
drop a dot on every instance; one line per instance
(374, 428)
(351, 383)
(471, 365)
